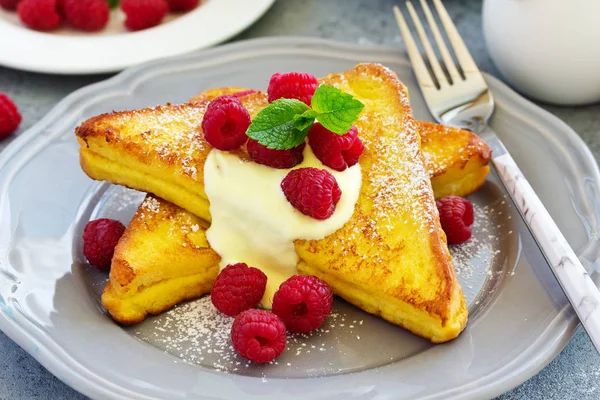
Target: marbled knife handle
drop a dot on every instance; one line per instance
(574, 279)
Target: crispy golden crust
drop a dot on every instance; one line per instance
(457, 160)
(163, 258)
(389, 259)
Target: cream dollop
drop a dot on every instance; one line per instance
(252, 221)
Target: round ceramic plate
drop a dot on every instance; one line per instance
(49, 297)
(69, 51)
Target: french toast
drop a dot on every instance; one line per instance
(389, 259)
(466, 150)
(162, 259)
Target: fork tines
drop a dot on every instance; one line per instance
(452, 75)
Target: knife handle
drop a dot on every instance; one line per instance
(570, 273)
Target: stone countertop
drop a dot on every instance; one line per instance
(573, 374)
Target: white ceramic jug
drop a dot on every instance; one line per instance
(547, 49)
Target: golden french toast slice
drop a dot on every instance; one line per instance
(390, 258)
(162, 259)
(456, 159)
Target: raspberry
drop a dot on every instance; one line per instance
(336, 151)
(312, 191)
(456, 217)
(182, 5)
(10, 118)
(303, 303)
(9, 5)
(87, 15)
(275, 158)
(100, 237)
(142, 14)
(41, 15)
(238, 288)
(225, 123)
(292, 85)
(258, 335)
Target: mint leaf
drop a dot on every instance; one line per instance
(281, 125)
(112, 3)
(337, 111)
(305, 120)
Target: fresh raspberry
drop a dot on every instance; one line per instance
(41, 15)
(182, 5)
(303, 303)
(100, 237)
(244, 93)
(336, 151)
(292, 85)
(238, 288)
(258, 335)
(312, 191)
(9, 5)
(456, 217)
(10, 118)
(275, 158)
(143, 14)
(87, 15)
(225, 123)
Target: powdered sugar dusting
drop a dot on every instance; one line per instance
(481, 245)
(197, 333)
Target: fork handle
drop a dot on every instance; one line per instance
(570, 273)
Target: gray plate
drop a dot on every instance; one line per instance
(49, 298)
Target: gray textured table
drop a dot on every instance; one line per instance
(574, 374)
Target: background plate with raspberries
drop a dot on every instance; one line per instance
(50, 297)
(67, 50)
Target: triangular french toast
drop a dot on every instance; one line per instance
(162, 259)
(390, 258)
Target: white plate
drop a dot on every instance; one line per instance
(68, 51)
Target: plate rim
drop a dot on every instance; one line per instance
(9, 56)
(52, 361)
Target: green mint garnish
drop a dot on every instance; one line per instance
(112, 3)
(337, 111)
(276, 126)
(285, 123)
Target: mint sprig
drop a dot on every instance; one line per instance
(277, 125)
(336, 110)
(285, 123)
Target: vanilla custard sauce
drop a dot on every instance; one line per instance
(252, 221)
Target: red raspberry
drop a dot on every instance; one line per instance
(303, 303)
(312, 191)
(225, 123)
(280, 159)
(238, 288)
(10, 118)
(244, 93)
(336, 151)
(100, 237)
(9, 5)
(456, 217)
(182, 5)
(87, 15)
(143, 14)
(41, 15)
(292, 85)
(258, 335)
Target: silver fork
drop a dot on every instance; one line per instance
(466, 102)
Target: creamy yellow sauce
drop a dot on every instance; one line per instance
(252, 221)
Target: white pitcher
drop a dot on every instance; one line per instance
(547, 49)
